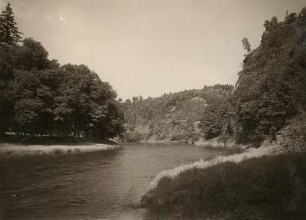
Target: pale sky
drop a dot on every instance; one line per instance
(150, 47)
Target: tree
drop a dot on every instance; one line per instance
(274, 21)
(302, 14)
(270, 25)
(211, 123)
(85, 106)
(6, 78)
(32, 55)
(290, 18)
(111, 124)
(6, 63)
(217, 118)
(246, 44)
(9, 34)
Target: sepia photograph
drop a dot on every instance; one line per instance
(152, 109)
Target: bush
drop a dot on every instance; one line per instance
(133, 137)
(293, 136)
(179, 137)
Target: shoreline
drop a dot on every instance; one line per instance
(218, 186)
(10, 149)
(215, 161)
(212, 143)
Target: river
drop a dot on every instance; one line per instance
(97, 185)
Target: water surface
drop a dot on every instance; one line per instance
(100, 185)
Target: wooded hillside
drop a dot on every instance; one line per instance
(174, 116)
(271, 88)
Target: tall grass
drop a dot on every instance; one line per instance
(202, 164)
(268, 187)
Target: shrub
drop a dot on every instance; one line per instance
(133, 137)
(293, 136)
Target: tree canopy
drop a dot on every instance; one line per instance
(38, 96)
(9, 33)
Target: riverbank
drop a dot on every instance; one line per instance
(212, 143)
(9, 149)
(217, 143)
(50, 140)
(263, 183)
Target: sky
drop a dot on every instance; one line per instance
(150, 47)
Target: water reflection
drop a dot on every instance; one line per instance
(87, 186)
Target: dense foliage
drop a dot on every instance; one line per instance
(182, 116)
(40, 97)
(271, 88)
(293, 136)
(217, 118)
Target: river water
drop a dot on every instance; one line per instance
(100, 185)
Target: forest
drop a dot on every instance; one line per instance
(40, 97)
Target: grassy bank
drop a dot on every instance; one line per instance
(268, 187)
(218, 143)
(212, 143)
(8, 149)
(18, 145)
(49, 140)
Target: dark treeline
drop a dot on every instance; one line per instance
(38, 96)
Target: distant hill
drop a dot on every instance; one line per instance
(171, 117)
